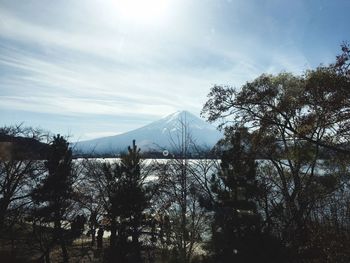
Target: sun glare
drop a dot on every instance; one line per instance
(143, 11)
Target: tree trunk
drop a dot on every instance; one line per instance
(113, 237)
(64, 251)
(59, 237)
(3, 208)
(47, 257)
(93, 236)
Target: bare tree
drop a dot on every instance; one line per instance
(20, 169)
(181, 183)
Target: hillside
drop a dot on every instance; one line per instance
(164, 134)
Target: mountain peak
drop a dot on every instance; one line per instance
(158, 134)
(182, 115)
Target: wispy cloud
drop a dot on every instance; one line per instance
(80, 60)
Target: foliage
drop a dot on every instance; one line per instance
(53, 197)
(121, 187)
(294, 122)
(237, 233)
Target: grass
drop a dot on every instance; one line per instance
(20, 245)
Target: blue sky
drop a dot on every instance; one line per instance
(91, 68)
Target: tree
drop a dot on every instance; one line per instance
(121, 188)
(342, 64)
(20, 149)
(294, 122)
(54, 195)
(236, 230)
(313, 108)
(89, 198)
(183, 222)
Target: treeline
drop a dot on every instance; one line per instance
(202, 153)
(272, 197)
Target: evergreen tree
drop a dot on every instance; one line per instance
(127, 202)
(236, 222)
(54, 195)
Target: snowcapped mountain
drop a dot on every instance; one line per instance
(165, 133)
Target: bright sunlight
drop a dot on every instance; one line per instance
(143, 11)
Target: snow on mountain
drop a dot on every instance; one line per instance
(159, 135)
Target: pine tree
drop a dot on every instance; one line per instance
(236, 221)
(54, 195)
(128, 200)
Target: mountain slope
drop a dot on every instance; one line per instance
(156, 136)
